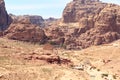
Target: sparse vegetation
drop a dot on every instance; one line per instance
(47, 70)
(104, 75)
(68, 48)
(114, 76)
(52, 42)
(98, 69)
(11, 52)
(63, 46)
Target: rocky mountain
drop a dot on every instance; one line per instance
(84, 23)
(94, 22)
(32, 19)
(24, 30)
(5, 20)
(78, 10)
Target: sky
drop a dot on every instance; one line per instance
(44, 8)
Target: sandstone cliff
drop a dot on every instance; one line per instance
(86, 23)
(98, 22)
(25, 31)
(5, 20)
(89, 22)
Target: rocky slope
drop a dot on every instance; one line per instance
(5, 20)
(90, 22)
(25, 31)
(28, 28)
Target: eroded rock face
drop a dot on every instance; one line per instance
(55, 35)
(5, 20)
(25, 32)
(99, 23)
(78, 10)
(26, 28)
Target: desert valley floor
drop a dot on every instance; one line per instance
(21, 61)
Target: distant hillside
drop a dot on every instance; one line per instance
(33, 19)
